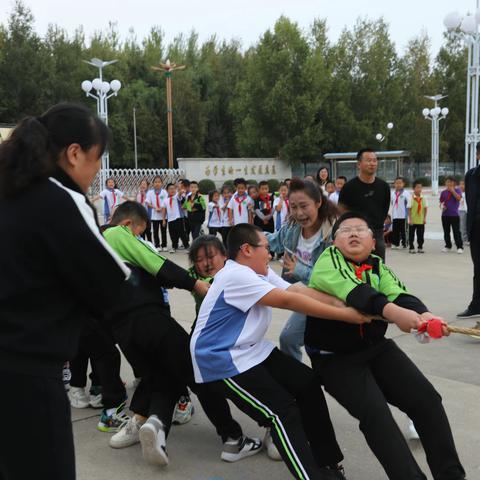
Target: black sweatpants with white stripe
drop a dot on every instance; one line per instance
(284, 394)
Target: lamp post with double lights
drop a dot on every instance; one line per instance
(468, 26)
(435, 114)
(104, 90)
(380, 136)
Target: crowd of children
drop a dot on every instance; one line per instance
(183, 211)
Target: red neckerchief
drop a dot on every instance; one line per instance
(287, 203)
(158, 201)
(142, 197)
(114, 197)
(397, 196)
(217, 208)
(171, 201)
(266, 200)
(419, 204)
(239, 200)
(359, 269)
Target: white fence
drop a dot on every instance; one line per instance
(128, 179)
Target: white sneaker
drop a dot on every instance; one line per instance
(172, 250)
(183, 411)
(234, 450)
(460, 250)
(96, 401)
(412, 432)
(127, 435)
(164, 249)
(446, 250)
(395, 247)
(78, 397)
(153, 441)
(272, 451)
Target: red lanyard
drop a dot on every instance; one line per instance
(158, 200)
(239, 200)
(171, 202)
(114, 198)
(287, 203)
(217, 208)
(397, 197)
(419, 203)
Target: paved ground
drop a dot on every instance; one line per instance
(443, 281)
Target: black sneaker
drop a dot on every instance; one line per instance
(468, 314)
(333, 473)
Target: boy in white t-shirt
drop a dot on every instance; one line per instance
(281, 206)
(230, 352)
(399, 202)
(240, 205)
(155, 198)
(172, 211)
(339, 184)
(225, 197)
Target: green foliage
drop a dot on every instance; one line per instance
(230, 184)
(293, 95)
(252, 182)
(273, 185)
(206, 186)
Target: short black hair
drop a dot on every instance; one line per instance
(211, 194)
(185, 182)
(240, 181)
(400, 178)
(362, 151)
(170, 185)
(207, 242)
(132, 210)
(239, 235)
(417, 182)
(452, 179)
(193, 182)
(329, 181)
(346, 216)
(342, 177)
(262, 183)
(226, 187)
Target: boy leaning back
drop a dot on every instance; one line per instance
(363, 370)
(230, 353)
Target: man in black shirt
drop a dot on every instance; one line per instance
(369, 195)
(472, 196)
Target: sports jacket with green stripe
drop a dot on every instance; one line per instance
(367, 286)
(150, 272)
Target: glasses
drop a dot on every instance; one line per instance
(266, 246)
(360, 230)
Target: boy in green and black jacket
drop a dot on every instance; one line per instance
(196, 207)
(363, 370)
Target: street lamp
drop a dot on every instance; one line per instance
(468, 26)
(169, 68)
(380, 136)
(102, 89)
(435, 114)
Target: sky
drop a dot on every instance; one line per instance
(244, 20)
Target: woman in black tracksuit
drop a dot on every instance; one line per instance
(56, 272)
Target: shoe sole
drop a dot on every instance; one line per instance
(475, 315)
(124, 444)
(148, 440)
(79, 405)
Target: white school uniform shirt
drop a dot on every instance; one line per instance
(229, 336)
(215, 215)
(142, 199)
(334, 197)
(281, 216)
(240, 209)
(399, 208)
(463, 204)
(112, 197)
(156, 198)
(172, 206)
(223, 204)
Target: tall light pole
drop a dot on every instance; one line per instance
(135, 136)
(168, 68)
(435, 114)
(468, 25)
(102, 95)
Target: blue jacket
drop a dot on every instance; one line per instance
(286, 240)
